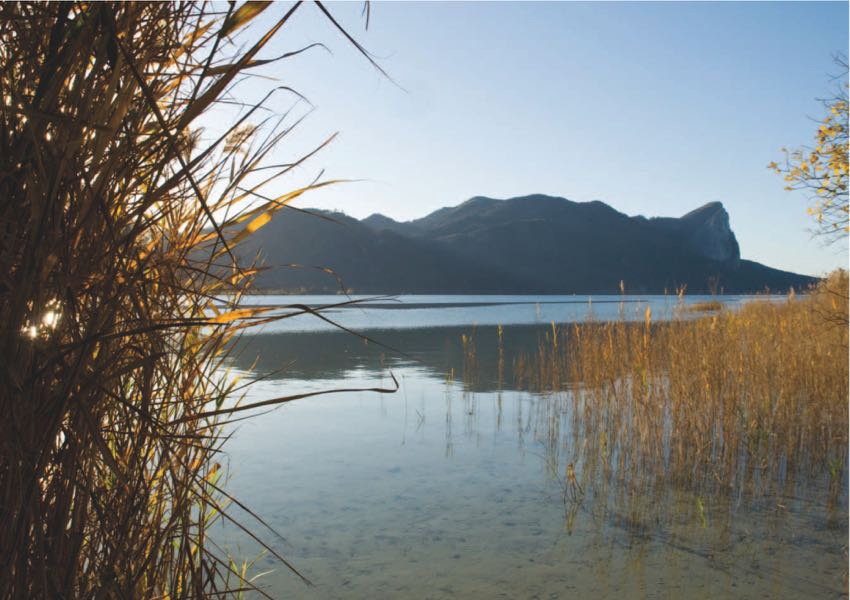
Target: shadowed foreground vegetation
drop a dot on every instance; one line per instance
(739, 404)
(110, 258)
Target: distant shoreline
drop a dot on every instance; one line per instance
(364, 303)
(404, 305)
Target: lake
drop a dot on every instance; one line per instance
(455, 486)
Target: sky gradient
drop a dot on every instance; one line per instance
(653, 108)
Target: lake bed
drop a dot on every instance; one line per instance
(456, 487)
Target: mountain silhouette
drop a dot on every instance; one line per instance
(526, 245)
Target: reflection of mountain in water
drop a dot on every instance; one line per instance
(438, 351)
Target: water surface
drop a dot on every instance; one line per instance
(455, 487)
(365, 313)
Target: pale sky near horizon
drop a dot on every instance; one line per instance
(653, 108)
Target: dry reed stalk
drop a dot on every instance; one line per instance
(119, 291)
(740, 402)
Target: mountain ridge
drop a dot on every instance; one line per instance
(535, 244)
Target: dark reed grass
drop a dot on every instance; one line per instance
(120, 288)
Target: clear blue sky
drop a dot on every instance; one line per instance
(653, 108)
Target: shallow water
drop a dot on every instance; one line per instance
(446, 490)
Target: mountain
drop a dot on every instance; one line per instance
(527, 245)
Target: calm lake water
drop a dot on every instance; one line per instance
(453, 489)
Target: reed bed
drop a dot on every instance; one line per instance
(120, 288)
(738, 404)
(707, 306)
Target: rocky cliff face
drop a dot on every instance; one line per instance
(705, 231)
(710, 234)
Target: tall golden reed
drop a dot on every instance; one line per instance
(119, 292)
(737, 402)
